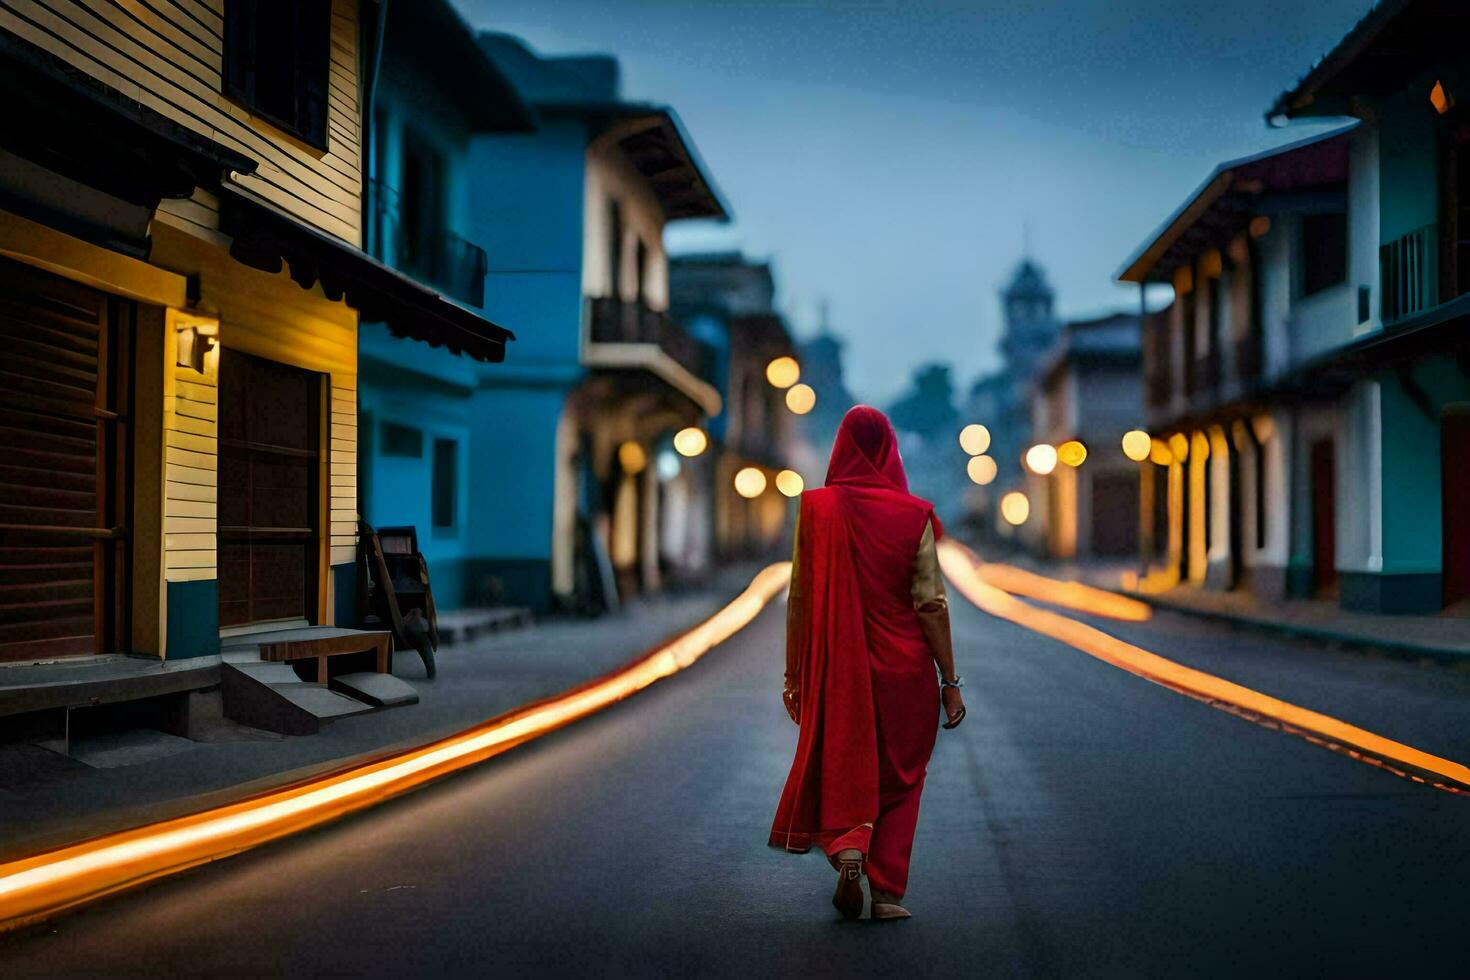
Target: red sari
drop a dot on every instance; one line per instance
(869, 700)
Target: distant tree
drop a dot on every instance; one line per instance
(928, 408)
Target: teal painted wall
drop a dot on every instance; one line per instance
(193, 619)
(1408, 161)
(1411, 466)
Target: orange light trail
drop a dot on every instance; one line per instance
(1072, 595)
(37, 887)
(1320, 729)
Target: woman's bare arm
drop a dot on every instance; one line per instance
(932, 604)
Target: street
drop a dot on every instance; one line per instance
(1081, 822)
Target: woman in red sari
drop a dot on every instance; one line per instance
(867, 623)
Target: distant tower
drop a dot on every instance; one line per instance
(1028, 306)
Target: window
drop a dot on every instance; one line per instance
(615, 250)
(401, 440)
(1324, 251)
(446, 482)
(276, 60)
(641, 258)
(420, 207)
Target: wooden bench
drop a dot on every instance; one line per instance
(322, 642)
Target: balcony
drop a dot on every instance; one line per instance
(1408, 269)
(617, 322)
(433, 256)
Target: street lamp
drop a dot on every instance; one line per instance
(1041, 459)
(975, 439)
(1137, 445)
(790, 483)
(1015, 508)
(783, 372)
(691, 441)
(1072, 453)
(750, 482)
(632, 458)
(801, 399)
(981, 469)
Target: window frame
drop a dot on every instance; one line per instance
(240, 68)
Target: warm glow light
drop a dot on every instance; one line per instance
(1179, 446)
(1041, 459)
(783, 372)
(1199, 446)
(1211, 264)
(1259, 225)
(750, 482)
(691, 441)
(1264, 427)
(974, 439)
(801, 399)
(1058, 592)
(632, 458)
(1015, 508)
(1441, 100)
(1137, 445)
(1239, 436)
(1072, 453)
(982, 469)
(790, 483)
(1159, 452)
(1321, 729)
(37, 887)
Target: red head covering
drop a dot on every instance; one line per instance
(865, 453)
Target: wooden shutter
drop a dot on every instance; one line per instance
(63, 400)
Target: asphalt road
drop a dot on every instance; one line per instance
(1081, 822)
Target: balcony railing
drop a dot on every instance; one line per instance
(1409, 272)
(617, 322)
(435, 257)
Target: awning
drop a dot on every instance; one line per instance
(264, 237)
(1237, 191)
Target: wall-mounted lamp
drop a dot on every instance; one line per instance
(195, 337)
(1441, 99)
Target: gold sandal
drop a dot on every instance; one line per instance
(848, 899)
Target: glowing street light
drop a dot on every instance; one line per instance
(750, 483)
(801, 399)
(1072, 453)
(1015, 508)
(632, 458)
(1159, 453)
(1137, 445)
(1041, 459)
(790, 483)
(783, 372)
(981, 469)
(974, 439)
(1179, 446)
(691, 441)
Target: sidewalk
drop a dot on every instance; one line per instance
(1442, 638)
(47, 799)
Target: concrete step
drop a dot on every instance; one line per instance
(270, 696)
(378, 690)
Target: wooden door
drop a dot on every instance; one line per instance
(270, 470)
(1324, 519)
(64, 400)
(1114, 514)
(1454, 469)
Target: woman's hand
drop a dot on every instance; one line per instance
(791, 697)
(954, 705)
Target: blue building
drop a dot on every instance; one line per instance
(530, 481)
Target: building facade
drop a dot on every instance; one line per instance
(1087, 392)
(566, 510)
(181, 316)
(1307, 389)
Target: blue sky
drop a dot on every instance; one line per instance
(893, 157)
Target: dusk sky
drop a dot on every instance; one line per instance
(893, 158)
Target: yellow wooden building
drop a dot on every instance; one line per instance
(180, 287)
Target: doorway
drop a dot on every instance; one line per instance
(1323, 486)
(269, 491)
(1454, 471)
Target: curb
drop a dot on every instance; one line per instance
(1399, 649)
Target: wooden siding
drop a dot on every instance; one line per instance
(167, 55)
(190, 466)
